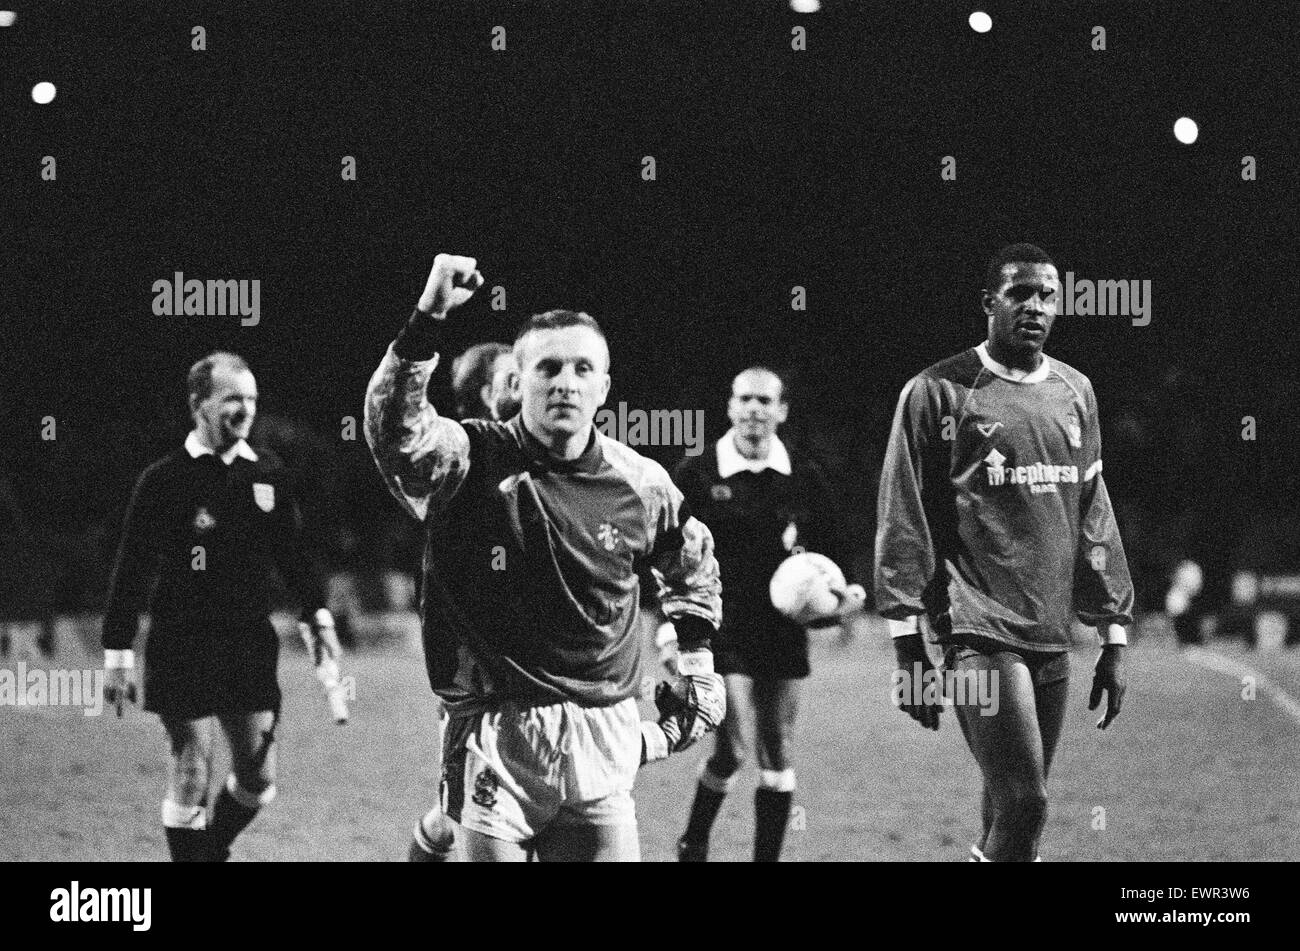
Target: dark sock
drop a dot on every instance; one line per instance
(187, 845)
(703, 811)
(229, 818)
(771, 813)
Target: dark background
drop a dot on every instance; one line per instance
(775, 168)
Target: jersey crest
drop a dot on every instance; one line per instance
(203, 520)
(264, 496)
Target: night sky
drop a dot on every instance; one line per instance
(774, 168)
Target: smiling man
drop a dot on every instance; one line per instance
(994, 521)
(537, 530)
(210, 522)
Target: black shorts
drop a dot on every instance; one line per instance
(1045, 667)
(192, 672)
(765, 649)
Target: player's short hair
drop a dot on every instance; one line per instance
(470, 372)
(199, 381)
(556, 320)
(1021, 253)
(760, 368)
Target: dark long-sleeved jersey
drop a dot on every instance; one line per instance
(211, 535)
(531, 568)
(992, 505)
(757, 518)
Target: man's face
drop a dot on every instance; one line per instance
(563, 379)
(756, 406)
(499, 394)
(226, 415)
(1023, 309)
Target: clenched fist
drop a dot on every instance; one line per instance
(452, 281)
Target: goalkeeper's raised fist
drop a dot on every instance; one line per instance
(688, 709)
(452, 281)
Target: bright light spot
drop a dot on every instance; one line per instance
(1185, 131)
(7, 17)
(981, 22)
(43, 93)
(805, 6)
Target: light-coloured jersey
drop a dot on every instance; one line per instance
(993, 509)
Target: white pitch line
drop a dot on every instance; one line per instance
(1212, 660)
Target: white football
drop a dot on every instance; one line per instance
(808, 587)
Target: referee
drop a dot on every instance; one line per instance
(762, 503)
(210, 522)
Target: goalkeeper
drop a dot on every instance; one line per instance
(537, 530)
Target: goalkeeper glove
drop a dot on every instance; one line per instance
(912, 663)
(688, 709)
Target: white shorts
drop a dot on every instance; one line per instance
(513, 772)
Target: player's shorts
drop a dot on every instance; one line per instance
(765, 648)
(514, 771)
(1045, 667)
(196, 671)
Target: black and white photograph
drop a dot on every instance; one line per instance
(746, 431)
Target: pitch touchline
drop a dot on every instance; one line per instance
(1226, 665)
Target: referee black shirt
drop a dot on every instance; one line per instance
(212, 531)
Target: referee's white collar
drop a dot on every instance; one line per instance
(1008, 373)
(240, 449)
(730, 461)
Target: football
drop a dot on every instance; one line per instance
(809, 587)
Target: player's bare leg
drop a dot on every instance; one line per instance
(185, 805)
(1050, 703)
(251, 784)
(435, 833)
(717, 774)
(483, 848)
(1008, 746)
(584, 842)
(776, 705)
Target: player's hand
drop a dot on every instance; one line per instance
(1108, 678)
(693, 706)
(911, 666)
(119, 687)
(452, 281)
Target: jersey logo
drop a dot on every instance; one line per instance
(264, 496)
(608, 536)
(987, 429)
(721, 492)
(204, 522)
(486, 784)
(1075, 433)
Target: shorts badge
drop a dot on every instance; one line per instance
(264, 496)
(721, 492)
(203, 521)
(486, 784)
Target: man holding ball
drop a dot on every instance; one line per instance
(762, 505)
(537, 528)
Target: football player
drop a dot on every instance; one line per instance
(537, 528)
(994, 521)
(210, 522)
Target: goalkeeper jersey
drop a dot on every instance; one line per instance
(992, 507)
(532, 565)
